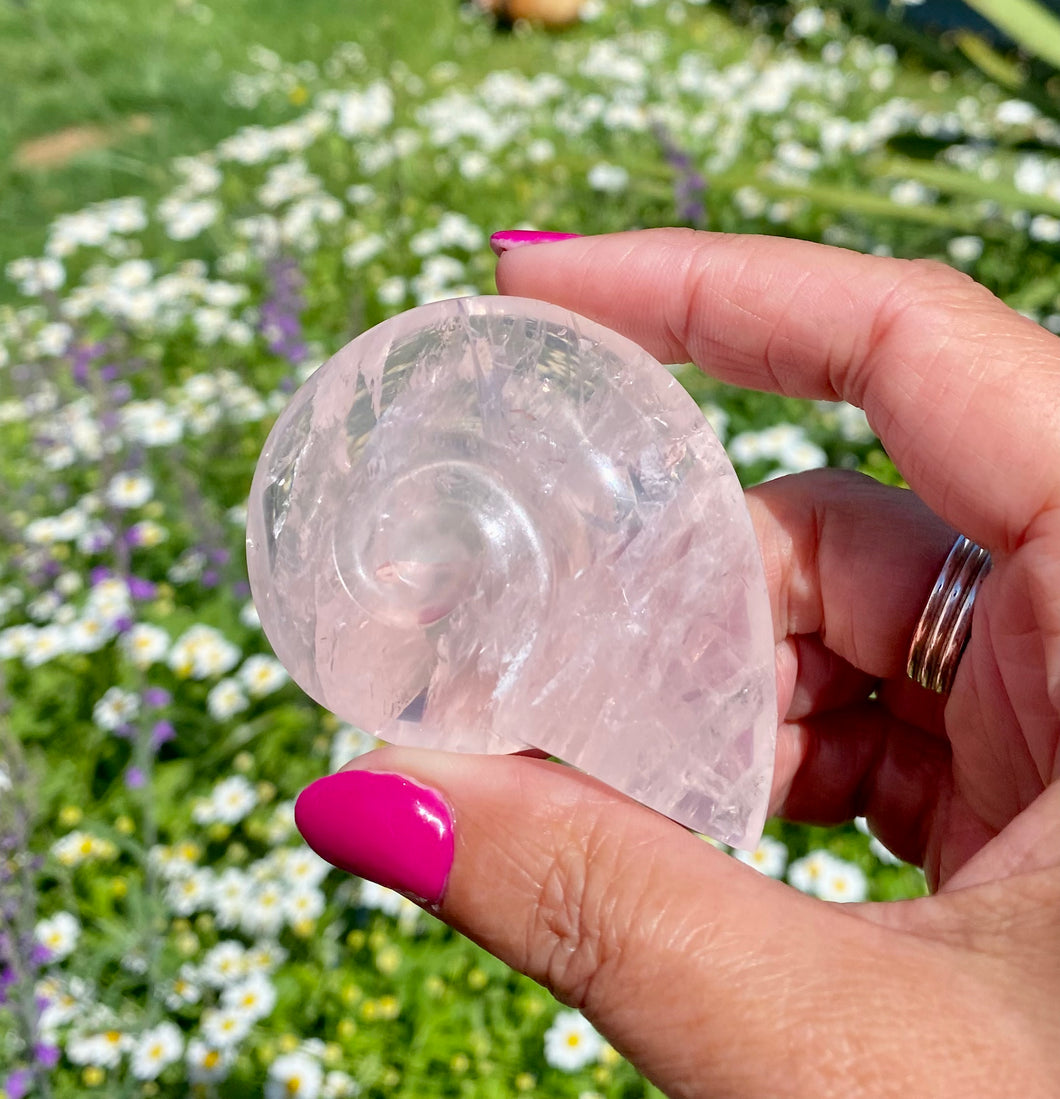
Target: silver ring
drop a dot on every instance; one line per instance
(946, 622)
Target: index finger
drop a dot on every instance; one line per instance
(963, 391)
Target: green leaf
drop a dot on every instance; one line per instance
(1027, 23)
(989, 61)
(955, 182)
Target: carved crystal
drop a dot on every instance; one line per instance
(489, 524)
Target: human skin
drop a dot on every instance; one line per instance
(713, 980)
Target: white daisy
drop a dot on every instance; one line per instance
(145, 644)
(571, 1042)
(109, 599)
(294, 1076)
(173, 862)
(89, 634)
(254, 997)
(103, 1050)
(832, 879)
(807, 873)
(770, 857)
(202, 652)
(224, 964)
(117, 707)
(77, 847)
(231, 895)
(248, 614)
(339, 1085)
(265, 956)
(609, 178)
(226, 698)
(45, 644)
(129, 490)
(303, 867)
(223, 1029)
(264, 915)
(381, 899)
(185, 220)
(63, 1003)
(233, 798)
(191, 892)
(15, 641)
(155, 1050)
(843, 882)
(185, 989)
(348, 743)
(58, 934)
(207, 1065)
(303, 904)
(261, 675)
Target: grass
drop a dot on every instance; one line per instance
(86, 63)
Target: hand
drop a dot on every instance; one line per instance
(712, 979)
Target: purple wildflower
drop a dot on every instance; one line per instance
(97, 542)
(162, 733)
(82, 356)
(157, 697)
(7, 980)
(18, 1083)
(281, 312)
(139, 588)
(135, 778)
(21, 956)
(690, 186)
(46, 1056)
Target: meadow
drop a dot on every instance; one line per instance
(300, 177)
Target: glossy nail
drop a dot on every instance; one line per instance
(382, 827)
(507, 239)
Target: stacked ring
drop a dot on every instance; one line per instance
(946, 622)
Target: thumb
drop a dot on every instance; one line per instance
(711, 978)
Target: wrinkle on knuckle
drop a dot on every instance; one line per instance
(570, 939)
(696, 290)
(709, 288)
(926, 296)
(590, 915)
(777, 349)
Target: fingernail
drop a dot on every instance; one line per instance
(507, 239)
(382, 827)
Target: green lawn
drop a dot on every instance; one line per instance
(100, 63)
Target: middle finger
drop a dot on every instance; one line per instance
(849, 561)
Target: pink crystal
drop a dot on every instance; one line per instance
(489, 524)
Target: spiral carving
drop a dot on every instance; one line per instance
(489, 524)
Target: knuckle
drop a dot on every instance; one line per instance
(927, 304)
(928, 291)
(579, 927)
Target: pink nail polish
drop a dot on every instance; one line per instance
(382, 827)
(507, 239)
